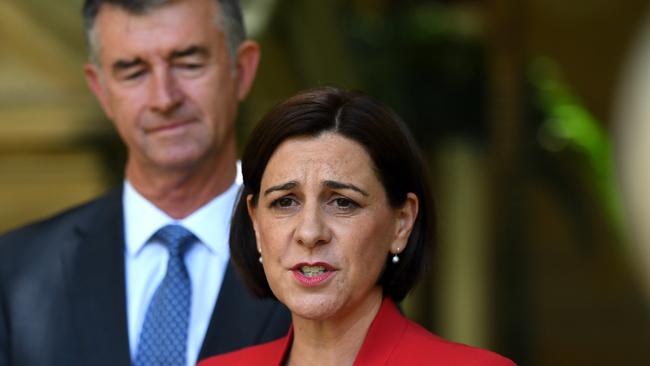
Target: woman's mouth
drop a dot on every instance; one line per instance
(312, 274)
(312, 271)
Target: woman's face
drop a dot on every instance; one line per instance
(324, 226)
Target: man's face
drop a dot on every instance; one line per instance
(167, 82)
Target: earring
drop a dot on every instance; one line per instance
(260, 259)
(396, 257)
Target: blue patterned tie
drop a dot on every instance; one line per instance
(163, 339)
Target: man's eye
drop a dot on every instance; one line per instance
(134, 74)
(190, 66)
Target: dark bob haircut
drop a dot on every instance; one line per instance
(397, 163)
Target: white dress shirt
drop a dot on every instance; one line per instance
(146, 260)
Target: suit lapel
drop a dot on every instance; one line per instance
(238, 319)
(96, 272)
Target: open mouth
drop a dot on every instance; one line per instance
(312, 271)
(313, 274)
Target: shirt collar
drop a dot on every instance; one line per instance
(210, 223)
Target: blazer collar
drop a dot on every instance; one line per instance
(383, 336)
(95, 270)
(97, 294)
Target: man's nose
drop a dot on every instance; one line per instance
(165, 93)
(312, 228)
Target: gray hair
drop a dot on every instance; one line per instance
(229, 20)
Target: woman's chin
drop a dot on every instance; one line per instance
(314, 307)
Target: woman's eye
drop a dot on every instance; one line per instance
(283, 202)
(345, 203)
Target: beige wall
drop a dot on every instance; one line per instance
(48, 119)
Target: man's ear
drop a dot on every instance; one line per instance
(406, 216)
(248, 57)
(93, 79)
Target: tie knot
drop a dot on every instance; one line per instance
(176, 238)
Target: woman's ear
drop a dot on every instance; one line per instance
(252, 209)
(406, 216)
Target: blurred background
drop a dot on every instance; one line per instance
(534, 116)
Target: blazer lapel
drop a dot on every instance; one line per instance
(96, 272)
(384, 335)
(238, 319)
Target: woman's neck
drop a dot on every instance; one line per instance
(334, 341)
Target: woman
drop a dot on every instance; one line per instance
(335, 221)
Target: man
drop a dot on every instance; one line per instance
(142, 275)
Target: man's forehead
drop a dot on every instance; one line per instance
(162, 30)
(188, 16)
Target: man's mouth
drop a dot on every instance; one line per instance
(169, 126)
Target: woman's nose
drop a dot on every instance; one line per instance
(312, 230)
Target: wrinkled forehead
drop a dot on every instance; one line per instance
(191, 14)
(161, 29)
(328, 156)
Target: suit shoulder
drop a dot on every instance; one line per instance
(269, 353)
(430, 348)
(48, 229)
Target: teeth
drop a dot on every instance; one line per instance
(312, 271)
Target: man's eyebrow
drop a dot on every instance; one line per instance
(189, 51)
(281, 187)
(120, 65)
(340, 185)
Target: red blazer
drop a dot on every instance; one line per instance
(392, 340)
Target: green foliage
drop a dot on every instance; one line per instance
(570, 125)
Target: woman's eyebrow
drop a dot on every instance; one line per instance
(340, 185)
(281, 187)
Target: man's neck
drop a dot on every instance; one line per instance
(180, 192)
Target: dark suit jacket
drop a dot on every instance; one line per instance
(392, 339)
(63, 302)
